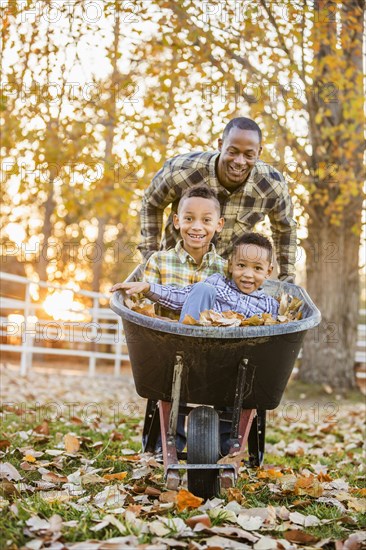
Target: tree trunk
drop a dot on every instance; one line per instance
(43, 261)
(98, 260)
(333, 284)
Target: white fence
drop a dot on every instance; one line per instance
(95, 331)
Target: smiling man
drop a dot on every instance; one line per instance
(247, 189)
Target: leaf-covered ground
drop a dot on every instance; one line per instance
(72, 475)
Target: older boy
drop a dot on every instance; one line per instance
(249, 266)
(194, 257)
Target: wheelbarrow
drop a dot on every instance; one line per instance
(231, 374)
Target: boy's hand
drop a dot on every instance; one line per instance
(132, 288)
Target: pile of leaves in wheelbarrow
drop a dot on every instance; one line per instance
(289, 310)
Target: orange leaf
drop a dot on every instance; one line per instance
(253, 321)
(324, 477)
(119, 476)
(72, 444)
(189, 320)
(308, 486)
(42, 428)
(185, 499)
(30, 458)
(270, 473)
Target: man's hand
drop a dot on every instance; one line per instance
(132, 288)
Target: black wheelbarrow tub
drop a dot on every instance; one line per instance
(212, 355)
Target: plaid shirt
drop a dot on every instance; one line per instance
(264, 192)
(228, 297)
(176, 267)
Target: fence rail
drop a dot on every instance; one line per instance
(97, 335)
(25, 327)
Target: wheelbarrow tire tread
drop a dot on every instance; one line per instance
(203, 447)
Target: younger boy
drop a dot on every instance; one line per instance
(249, 266)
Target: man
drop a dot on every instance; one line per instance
(246, 187)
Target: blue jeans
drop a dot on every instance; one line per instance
(201, 297)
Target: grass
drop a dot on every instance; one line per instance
(106, 458)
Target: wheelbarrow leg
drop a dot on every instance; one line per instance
(242, 418)
(151, 429)
(256, 440)
(168, 422)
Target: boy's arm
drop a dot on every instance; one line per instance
(168, 296)
(157, 197)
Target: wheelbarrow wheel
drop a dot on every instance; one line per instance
(203, 447)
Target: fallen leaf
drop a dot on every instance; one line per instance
(8, 489)
(265, 543)
(189, 320)
(203, 519)
(185, 500)
(43, 428)
(54, 478)
(152, 491)
(253, 321)
(300, 537)
(4, 443)
(168, 496)
(118, 476)
(234, 494)
(72, 444)
(8, 471)
(308, 486)
(249, 523)
(30, 458)
(271, 473)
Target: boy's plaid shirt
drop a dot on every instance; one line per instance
(228, 297)
(265, 192)
(176, 267)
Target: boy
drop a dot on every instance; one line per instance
(249, 266)
(194, 257)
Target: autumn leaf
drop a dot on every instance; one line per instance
(308, 486)
(30, 458)
(118, 476)
(300, 537)
(271, 473)
(43, 428)
(186, 500)
(253, 321)
(204, 519)
(72, 444)
(189, 320)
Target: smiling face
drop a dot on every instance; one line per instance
(249, 266)
(198, 220)
(239, 152)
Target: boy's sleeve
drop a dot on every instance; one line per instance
(152, 270)
(168, 296)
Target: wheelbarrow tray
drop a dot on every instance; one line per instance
(212, 354)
